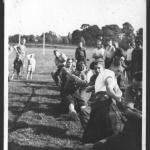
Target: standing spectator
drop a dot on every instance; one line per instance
(128, 59)
(137, 55)
(80, 54)
(99, 51)
(31, 66)
(109, 54)
(17, 65)
(21, 52)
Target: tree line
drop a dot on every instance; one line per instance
(88, 34)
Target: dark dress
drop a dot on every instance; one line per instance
(99, 124)
(17, 65)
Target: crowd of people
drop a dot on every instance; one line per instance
(105, 96)
(19, 62)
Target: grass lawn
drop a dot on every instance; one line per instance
(35, 122)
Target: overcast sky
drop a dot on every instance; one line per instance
(63, 16)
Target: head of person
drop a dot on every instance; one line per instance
(69, 63)
(117, 59)
(80, 44)
(56, 53)
(18, 57)
(132, 45)
(99, 43)
(32, 55)
(23, 41)
(99, 66)
(73, 65)
(138, 43)
(80, 66)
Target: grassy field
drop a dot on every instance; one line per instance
(35, 122)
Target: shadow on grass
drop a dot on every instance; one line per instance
(14, 146)
(20, 94)
(51, 109)
(53, 87)
(56, 132)
(57, 97)
(36, 82)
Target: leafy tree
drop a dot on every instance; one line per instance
(31, 39)
(84, 26)
(91, 34)
(65, 40)
(76, 35)
(14, 38)
(82, 40)
(111, 32)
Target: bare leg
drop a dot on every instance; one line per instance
(12, 77)
(18, 75)
(31, 75)
(27, 75)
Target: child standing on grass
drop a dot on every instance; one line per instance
(17, 65)
(31, 66)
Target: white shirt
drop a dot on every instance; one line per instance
(31, 63)
(100, 84)
(98, 53)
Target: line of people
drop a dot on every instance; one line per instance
(95, 96)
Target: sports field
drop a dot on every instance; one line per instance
(35, 122)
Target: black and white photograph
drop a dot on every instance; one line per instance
(75, 75)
